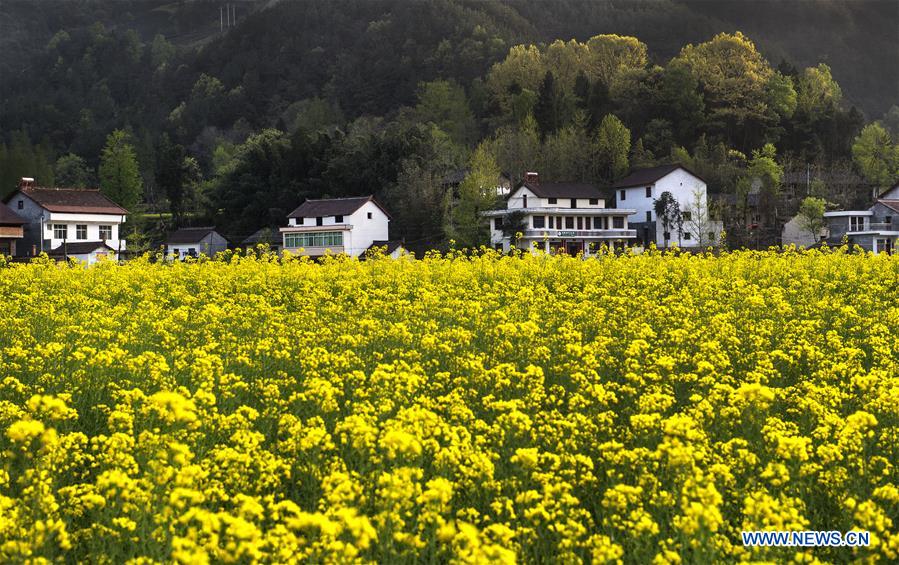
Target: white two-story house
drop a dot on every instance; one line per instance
(639, 191)
(67, 222)
(559, 217)
(337, 225)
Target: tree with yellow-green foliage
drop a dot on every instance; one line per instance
(477, 193)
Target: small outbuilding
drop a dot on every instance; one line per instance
(88, 252)
(11, 229)
(193, 242)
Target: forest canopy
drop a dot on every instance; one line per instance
(236, 124)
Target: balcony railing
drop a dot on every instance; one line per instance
(575, 234)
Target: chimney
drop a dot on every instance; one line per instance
(532, 178)
(26, 182)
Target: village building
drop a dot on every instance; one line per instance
(393, 249)
(875, 229)
(334, 226)
(559, 217)
(11, 230)
(88, 252)
(639, 191)
(193, 242)
(59, 217)
(269, 237)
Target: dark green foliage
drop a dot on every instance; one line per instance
(386, 97)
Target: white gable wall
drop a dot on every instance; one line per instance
(681, 184)
(365, 230)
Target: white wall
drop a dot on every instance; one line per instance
(365, 230)
(682, 186)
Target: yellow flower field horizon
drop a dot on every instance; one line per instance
(454, 409)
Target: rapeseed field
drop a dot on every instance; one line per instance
(456, 409)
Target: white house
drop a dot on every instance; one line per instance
(337, 225)
(65, 215)
(639, 191)
(192, 242)
(559, 217)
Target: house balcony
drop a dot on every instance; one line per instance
(539, 234)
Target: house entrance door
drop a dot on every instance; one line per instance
(574, 247)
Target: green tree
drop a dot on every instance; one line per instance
(734, 77)
(119, 175)
(612, 55)
(554, 107)
(613, 141)
(443, 103)
(72, 171)
(818, 91)
(811, 216)
(876, 156)
(667, 210)
(178, 175)
(477, 194)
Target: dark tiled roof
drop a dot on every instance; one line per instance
(263, 235)
(10, 218)
(333, 207)
(391, 246)
(564, 190)
(73, 200)
(642, 177)
(891, 204)
(189, 235)
(78, 248)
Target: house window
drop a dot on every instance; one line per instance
(369, 215)
(539, 221)
(105, 232)
(299, 221)
(81, 231)
(648, 216)
(569, 223)
(594, 202)
(618, 222)
(319, 221)
(551, 200)
(580, 223)
(686, 215)
(888, 220)
(711, 236)
(587, 223)
(524, 200)
(552, 222)
(574, 202)
(60, 231)
(648, 192)
(338, 219)
(21, 204)
(687, 236)
(318, 239)
(498, 224)
(856, 223)
(623, 195)
(191, 252)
